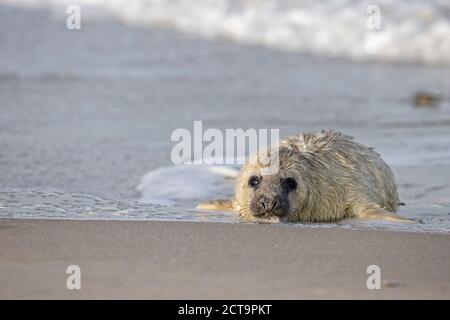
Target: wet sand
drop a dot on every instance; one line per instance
(184, 260)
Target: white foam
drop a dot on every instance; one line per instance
(186, 184)
(411, 30)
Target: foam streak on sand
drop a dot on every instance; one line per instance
(412, 31)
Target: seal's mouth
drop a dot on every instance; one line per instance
(269, 214)
(268, 218)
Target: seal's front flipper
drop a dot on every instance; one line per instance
(222, 204)
(374, 212)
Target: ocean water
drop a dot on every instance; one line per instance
(413, 31)
(86, 116)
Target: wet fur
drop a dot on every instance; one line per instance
(337, 178)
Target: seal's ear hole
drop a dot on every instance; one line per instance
(254, 181)
(291, 184)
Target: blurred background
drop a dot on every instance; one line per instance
(86, 113)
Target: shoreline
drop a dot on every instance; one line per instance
(346, 224)
(194, 260)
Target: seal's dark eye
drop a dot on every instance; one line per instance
(253, 181)
(291, 184)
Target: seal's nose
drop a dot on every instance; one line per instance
(269, 204)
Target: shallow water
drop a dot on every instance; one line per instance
(19, 204)
(86, 115)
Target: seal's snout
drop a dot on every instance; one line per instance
(264, 205)
(269, 204)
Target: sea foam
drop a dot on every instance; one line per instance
(413, 31)
(186, 185)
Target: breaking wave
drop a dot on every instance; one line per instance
(413, 31)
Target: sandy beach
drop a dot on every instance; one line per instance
(85, 114)
(170, 260)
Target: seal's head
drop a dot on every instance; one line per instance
(265, 191)
(269, 195)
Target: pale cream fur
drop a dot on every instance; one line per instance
(337, 178)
